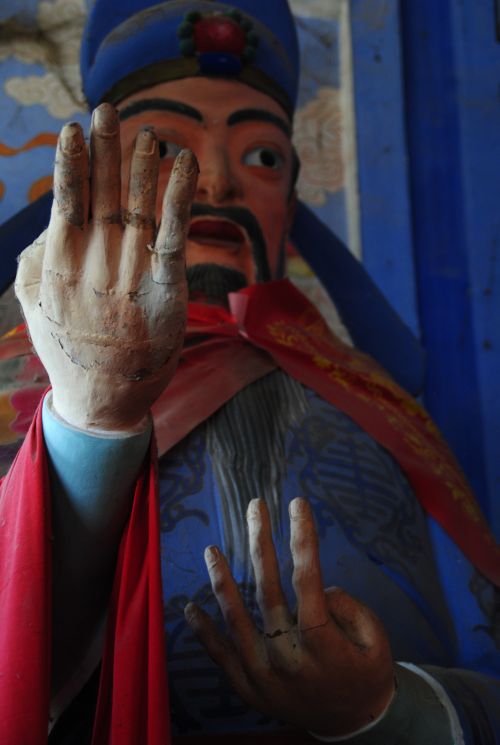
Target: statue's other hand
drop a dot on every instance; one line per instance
(103, 292)
(330, 669)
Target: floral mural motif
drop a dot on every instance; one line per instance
(55, 45)
(318, 141)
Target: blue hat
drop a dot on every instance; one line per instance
(132, 44)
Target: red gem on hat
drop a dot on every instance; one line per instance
(219, 33)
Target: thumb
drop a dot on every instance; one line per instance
(28, 274)
(358, 622)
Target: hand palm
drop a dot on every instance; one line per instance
(105, 302)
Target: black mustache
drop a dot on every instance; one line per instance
(247, 220)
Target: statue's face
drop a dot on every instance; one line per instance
(243, 208)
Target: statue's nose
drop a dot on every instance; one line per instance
(217, 182)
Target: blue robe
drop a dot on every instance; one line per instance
(279, 440)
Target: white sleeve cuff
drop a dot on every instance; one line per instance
(444, 699)
(452, 725)
(361, 731)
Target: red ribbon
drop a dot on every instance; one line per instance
(133, 702)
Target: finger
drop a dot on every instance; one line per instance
(105, 156)
(140, 214)
(71, 199)
(356, 621)
(220, 649)
(143, 182)
(271, 600)
(238, 622)
(168, 262)
(307, 580)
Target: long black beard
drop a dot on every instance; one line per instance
(211, 283)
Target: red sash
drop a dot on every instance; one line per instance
(132, 704)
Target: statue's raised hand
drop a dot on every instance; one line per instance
(104, 294)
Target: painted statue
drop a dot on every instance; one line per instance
(351, 587)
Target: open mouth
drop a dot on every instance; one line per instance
(217, 232)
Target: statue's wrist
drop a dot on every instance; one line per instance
(85, 419)
(415, 716)
(358, 729)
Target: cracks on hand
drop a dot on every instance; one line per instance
(51, 320)
(68, 355)
(134, 294)
(141, 374)
(277, 633)
(316, 626)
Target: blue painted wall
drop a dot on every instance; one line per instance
(427, 78)
(387, 240)
(477, 55)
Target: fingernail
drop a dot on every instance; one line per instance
(253, 509)
(71, 139)
(186, 162)
(212, 555)
(105, 120)
(190, 612)
(145, 143)
(297, 507)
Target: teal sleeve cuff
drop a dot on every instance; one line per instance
(93, 474)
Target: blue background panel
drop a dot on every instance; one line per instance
(382, 162)
(452, 73)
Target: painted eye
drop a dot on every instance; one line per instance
(264, 157)
(168, 149)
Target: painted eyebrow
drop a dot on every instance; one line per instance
(258, 115)
(160, 104)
